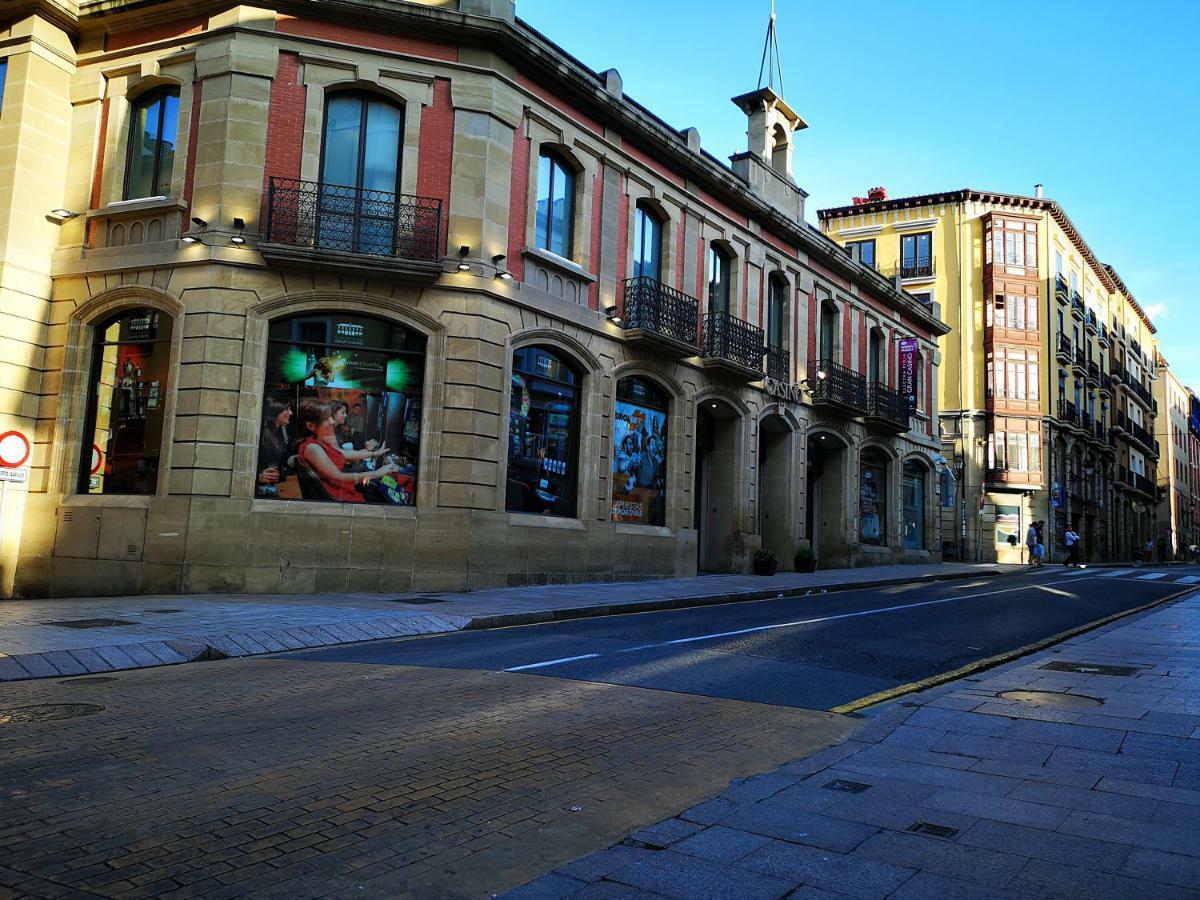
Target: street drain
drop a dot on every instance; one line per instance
(937, 831)
(846, 787)
(1091, 669)
(97, 679)
(89, 623)
(1052, 699)
(47, 712)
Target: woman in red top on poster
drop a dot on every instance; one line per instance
(319, 453)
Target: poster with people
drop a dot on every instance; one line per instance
(639, 464)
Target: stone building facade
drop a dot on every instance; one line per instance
(296, 300)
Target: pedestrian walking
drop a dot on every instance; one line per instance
(1148, 550)
(1041, 541)
(1072, 548)
(1162, 549)
(1031, 544)
(1194, 550)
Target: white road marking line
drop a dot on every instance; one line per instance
(758, 628)
(1117, 572)
(1152, 576)
(553, 662)
(1188, 579)
(1078, 571)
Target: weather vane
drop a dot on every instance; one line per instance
(771, 65)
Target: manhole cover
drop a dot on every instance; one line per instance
(47, 712)
(929, 828)
(96, 679)
(421, 601)
(1052, 699)
(89, 623)
(1091, 668)
(162, 612)
(847, 787)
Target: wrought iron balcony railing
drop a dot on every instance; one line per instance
(728, 338)
(1067, 411)
(887, 405)
(1093, 372)
(1063, 349)
(1143, 484)
(1061, 291)
(1080, 361)
(1090, 321)
(654, 307)
(1077, 307)
(834, 383)
(921, 267)
(319, 216)
(779, 363)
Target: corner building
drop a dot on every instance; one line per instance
(398, 296)
(1046, 405)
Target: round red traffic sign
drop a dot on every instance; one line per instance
(14, 449)
(97, 459)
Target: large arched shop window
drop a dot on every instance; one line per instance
(912, 521)
(128, 389)
(360, 174)
(543, 434)
(639, 473)
(341, 414)
(153, 124)
(873, 498)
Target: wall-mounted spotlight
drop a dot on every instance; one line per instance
(239, 240)
(613, 314)
(463, 252)
(502, 273)
(199, 222)
(62, 214)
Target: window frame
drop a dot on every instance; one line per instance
(144, 100)
(364, 98)
(642, 215)
(914, 240)
(776, 319)
(558, 163)
(720, 259)
(855, 248)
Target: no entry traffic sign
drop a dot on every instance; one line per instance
(14, 449)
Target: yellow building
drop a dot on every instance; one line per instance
(1047, 409)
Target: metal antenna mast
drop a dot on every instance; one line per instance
(772, 64)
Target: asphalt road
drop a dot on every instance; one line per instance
(815, 652)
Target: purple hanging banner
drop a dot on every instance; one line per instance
(908, 372)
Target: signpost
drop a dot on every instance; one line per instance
(14, 453)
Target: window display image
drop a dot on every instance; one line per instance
(639, 454)
(873, 497)
(129, 378)
(543, 434)
(341, 411)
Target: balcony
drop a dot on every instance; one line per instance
(1067, 412)
(661, 316)
(1086, 422)
(1143, 484)
(1139, 391)
(887, 408)
(1077, 307)
(779, 364)
(1091, 323)
(1079, 362)
(1003, 475)
(1063, 350)
(921, 267)
(315, 225)
(1099, 434)
(1093, 374)
(1061, 292)
(1104, 342)
(1119, 423)
(837, 387)
(731, 345)
(1136, 348)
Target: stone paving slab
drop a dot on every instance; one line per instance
(162, 630)
(1026, 800)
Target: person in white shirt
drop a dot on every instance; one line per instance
(1072, 548)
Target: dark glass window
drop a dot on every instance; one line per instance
(776, 312)
(360, 174)
(130, 364)
(916, 258)
(639, 472)
(341, 411)
(829, 324)
(873, 497)
(876, 366)
(912, 525)
(863, 251)
(153, 124)
(719, 277)
(647, 244)
(543, 434)
(555, 205)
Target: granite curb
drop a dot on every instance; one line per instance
(103, 658)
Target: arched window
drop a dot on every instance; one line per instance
(720, 278)
(555, 205)
(543, 434)
(360, 174)
(153, 124)
(912, 521)
(128, 391)
(341, 410)
(647, 244)
(779, 149)
(873, 497)
(639, 472)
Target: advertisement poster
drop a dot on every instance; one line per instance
(868, 508)
(908, 372)
(639, 465)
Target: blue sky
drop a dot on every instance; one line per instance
(1099, 100)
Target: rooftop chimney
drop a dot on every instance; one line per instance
(1039, 191)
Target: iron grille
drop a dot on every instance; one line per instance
(834, 383)
(727, 337)
(1067, 411)
(652, 306)
(886, 403)
(1064, 346)
(1060, 287)
(918, 268)
(779, 363)
(353, 220)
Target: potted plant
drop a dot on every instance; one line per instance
(806, 560)
(765, 562)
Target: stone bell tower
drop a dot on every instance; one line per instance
(766, 166)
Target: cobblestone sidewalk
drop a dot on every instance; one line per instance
(53, 638)
(1084, 783)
